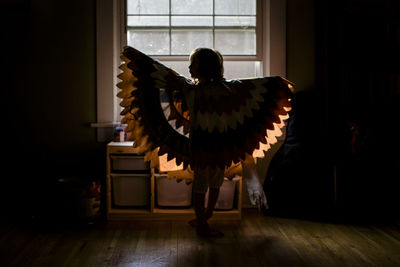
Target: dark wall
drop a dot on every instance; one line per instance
(300, 27)
(49, 97)
(299, 181)
(340, 156)
(358, 53)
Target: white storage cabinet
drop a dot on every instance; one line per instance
(135, 192)
(173, 192)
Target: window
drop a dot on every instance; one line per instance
(176, 27)
(169, 30)
(249, 33)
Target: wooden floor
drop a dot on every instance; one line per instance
(255, 241)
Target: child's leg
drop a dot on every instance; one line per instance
(202, 213)
(199, 209)
(212, 200)
(200, 185)
(216, 180)
(202, 227)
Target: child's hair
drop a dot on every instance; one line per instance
(210, 66)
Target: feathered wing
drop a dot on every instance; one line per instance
(244, 120)
(232, 120)
(239, 124)
(152, 124)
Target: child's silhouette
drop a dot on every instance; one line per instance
(227, 122)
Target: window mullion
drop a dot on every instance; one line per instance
(213, 27)
(170, 30)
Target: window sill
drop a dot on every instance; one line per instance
(105, 130)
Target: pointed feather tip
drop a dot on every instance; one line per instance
(121, 94)
(121, 75)
(291, 88)
(121, 67)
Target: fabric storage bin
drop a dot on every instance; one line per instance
(131, 189)
(129, 163)
(173, 193)
(226, 194)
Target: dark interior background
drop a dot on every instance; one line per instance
(342, 55)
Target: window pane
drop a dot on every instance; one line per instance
(176, 27)
(182, 67)
(150, 42)
(192, 21)
(236, 42)
(140, 21)
(232, 69)
(235, 7)
(237, 21)
(241, 69)
(148, 7)
(184, 41)
(203, 7)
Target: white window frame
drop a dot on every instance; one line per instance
(258, 52)
(110, 38)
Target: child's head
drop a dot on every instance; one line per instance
(206, 65)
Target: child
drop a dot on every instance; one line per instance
(228, 121)
(206, 69)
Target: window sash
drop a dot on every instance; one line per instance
(215, 27)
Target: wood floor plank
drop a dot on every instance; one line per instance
(343, 247)
(382, 249)
(324, 242)
(101, 250)
(155, 246)
(306, 238)
(256, 240)
(278, 251)
(18, 249)
(302, 242)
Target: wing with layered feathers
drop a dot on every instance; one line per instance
(150, 124)
(244, 120)
(229, 120)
